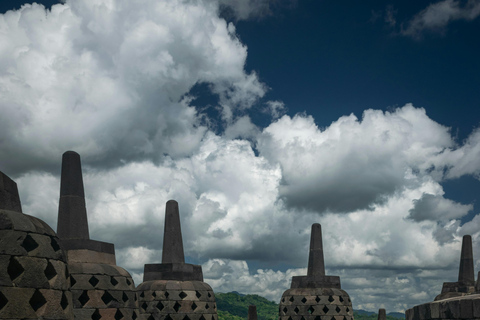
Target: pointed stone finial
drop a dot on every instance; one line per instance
(466, 274)
(72, 213)
(252, 312)
(316, 264)
(382, 315)
(9, 198)
(172, 236)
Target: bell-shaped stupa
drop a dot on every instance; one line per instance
(34, 280)
(315, 296)
(100, 288)
(174, 290)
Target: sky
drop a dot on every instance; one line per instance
(260, 118)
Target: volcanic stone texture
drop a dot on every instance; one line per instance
(102, 291)
(34, 278)
(315, 304)
(463, 308)
(176, 300)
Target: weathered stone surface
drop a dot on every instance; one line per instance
(12, 220)
(466, 307)
(90, 256)
(466, 274)
(172, 236)
(72, 212)
(173, 271)
(9, 198)
(316, 264)
(382, 315)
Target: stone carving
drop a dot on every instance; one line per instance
(315, 296)
(34, 281)
(100, 289)
(174, 290)
(458, 300)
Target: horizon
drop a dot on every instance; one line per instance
(260, 118)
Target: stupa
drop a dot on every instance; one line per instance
(458, 300)
(100, 288)
(174, 290)
(315, 296)
(33, 271)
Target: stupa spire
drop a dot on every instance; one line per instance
(316, 264)
(9, 198)
(172, 236)
(466, 273)
(72, 212)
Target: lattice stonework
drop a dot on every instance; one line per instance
(315, 304)
(176, 300)
(34, 280)
(102, 291)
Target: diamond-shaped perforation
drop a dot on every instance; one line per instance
(194, 306)
(152, 318)
(340, 298)
(302, 318)
(96, 315)
(160, 306)
(128, 282)
(124, 297)
(168, 317)
(154, 294)
(304, 300)
(64, 301)
(198, 294)
(338, 309)
(177, 306)
(3, 301)
(144, 306)
(318, 318)
(134, 315)
(166, 294)
(291, 299)
(332, 318)
(311, 310)
(83, 299)
(285, 309)
(93, 281)
(118, 315)
(37, 300)
(347, 309)
(50, 271)
(113, 281)
(186, 318)
(344, 318)
(54, 244)
(142, 295)
(330, 298)
(325, 309)
(29, 244)
(213, 318)
(207, 306)
(14, 268)
(317, 299)
(72, 281)
(209, 295)
(202, 318)
(296, 310)
(182, 295)
(290, 318)
(107, 298)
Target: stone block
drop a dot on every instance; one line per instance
(466, 308)
(83, 255)
(476, 308)
(434, 310)
(18, 306)
(19, 221)
(88, 244)
(41, 227)
(30, 272)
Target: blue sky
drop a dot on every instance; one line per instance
(259, 118)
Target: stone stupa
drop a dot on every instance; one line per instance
(100, 288)
(315, 296)
(174, 290)
(34, 280)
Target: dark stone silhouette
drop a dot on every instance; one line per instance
(174, 289)
(466, 274)
(172, 236)
(315, 296)
(252, 312)
(382, 315)
(9, 198)
(99, 287)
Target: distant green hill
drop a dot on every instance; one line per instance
(234, 306)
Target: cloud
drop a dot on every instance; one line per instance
(433, 207)
(437, 16)
(248, 9)
(111, 80)
(352, 164)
